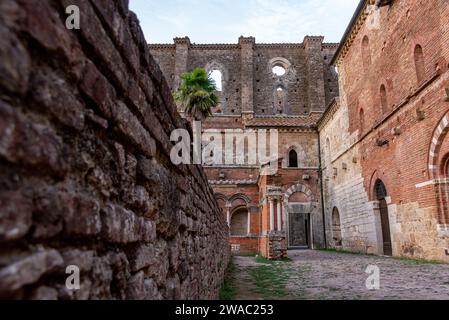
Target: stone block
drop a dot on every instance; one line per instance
(28, 270)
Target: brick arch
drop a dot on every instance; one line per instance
(215, 65)
(240, 196)
(298, 188)
(220, 196)
(377, 175)
(279, 61)
(435, 145)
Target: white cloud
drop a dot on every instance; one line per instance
(215, 21)
(290, 21)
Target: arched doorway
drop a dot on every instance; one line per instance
(381, 194)
(239, 222)
(298, 214)
(336, 228)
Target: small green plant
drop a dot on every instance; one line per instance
(227, 291)
(244, 254)
(260, 259)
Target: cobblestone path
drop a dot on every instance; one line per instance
(331, 275)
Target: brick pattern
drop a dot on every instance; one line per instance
(402, 144)
(85, 174)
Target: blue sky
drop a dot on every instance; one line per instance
(223, 21)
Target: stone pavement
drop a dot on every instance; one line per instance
(331, 275)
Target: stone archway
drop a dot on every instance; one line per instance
(381, 195)
(438, 171)
(298, 216)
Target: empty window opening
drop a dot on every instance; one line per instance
(293, 159)
(279, 71)
(217, 76)
(419, 64)
(383, 98)
(362, 120)
(366, 52)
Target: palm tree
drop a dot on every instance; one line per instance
(196, 94)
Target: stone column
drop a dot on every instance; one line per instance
(247, 72)
(271, 214)
(228, 217)
(181, 59)
(249, 221)
(279, 213)
(315, 73)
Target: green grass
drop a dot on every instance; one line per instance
(227, 291)
(270, 279)
(244, 254)
(260, 259)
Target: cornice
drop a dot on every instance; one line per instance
(329, 113)
(352, 30)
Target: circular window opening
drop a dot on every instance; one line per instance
(279, 71)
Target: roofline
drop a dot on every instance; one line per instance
(358, 12)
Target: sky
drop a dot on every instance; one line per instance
(224, 21)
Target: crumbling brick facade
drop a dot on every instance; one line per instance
(254, 97)
(85, 172)
(384, 142)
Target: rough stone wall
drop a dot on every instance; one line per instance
(397, 141)
(249, 85)
(85, 173)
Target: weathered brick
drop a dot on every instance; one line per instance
(28, 270)
(15, 215)
(23, 141)
(123, 226)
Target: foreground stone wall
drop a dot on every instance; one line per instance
(85, 173)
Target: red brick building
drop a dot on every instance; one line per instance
(385, 148)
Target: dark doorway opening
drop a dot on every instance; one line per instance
(299, 230)
(381, 194)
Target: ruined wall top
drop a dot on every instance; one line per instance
(259, 79)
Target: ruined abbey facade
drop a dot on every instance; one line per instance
(363, 153)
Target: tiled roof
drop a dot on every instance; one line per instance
(285, 121)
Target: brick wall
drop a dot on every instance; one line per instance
(394, 140)
(85, 174)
